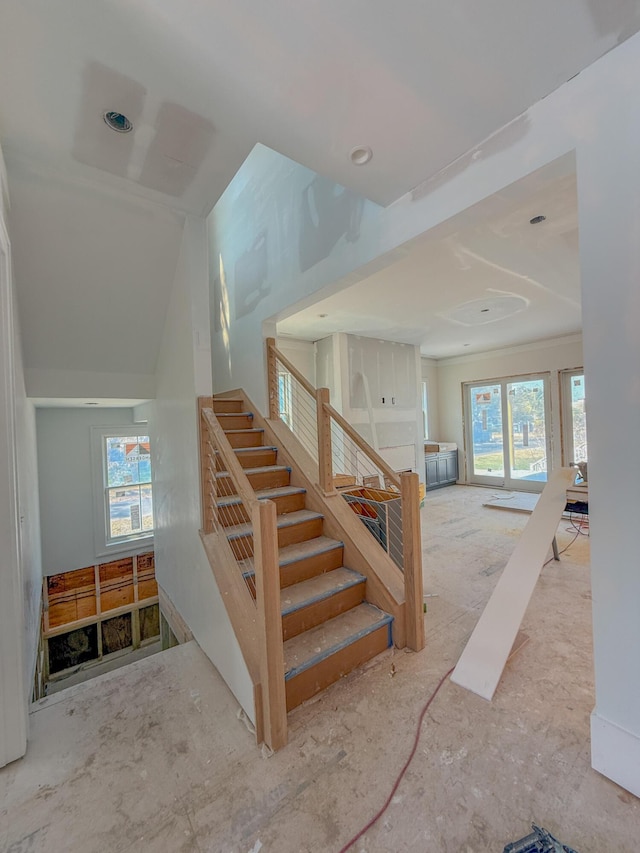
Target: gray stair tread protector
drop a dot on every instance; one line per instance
(265, 447)
(313, 646)
(234, 415)
(242, 431)
(316, 589)
(264, 468)
(309, 548)
(263, 495)
(289, 519)
(300, 551)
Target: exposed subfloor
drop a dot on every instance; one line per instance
(153, 758)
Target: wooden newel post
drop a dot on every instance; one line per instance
(412, 560)
(325, 461)
(274, 700)
(272, 380)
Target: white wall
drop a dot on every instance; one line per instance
(28, 521)
(594, 114)
(65, 473)
(183, 373)
(384, 376)
(302, 354)
(20, 572)
(542, 357)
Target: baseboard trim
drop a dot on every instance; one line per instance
(615, 752)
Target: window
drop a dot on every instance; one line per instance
(574, 421)
(425, 409)
(285, 398)
(124, 503)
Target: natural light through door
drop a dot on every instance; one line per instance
(507, 432)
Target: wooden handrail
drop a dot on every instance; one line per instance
(230, 459)
(293, 370)
(357, 439)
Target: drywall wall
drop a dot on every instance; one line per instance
(594, 115)
(183, 373)
(543, 357)
(20, 572)
(609, 216)
(302, 354)
(28, 518)
(381, 397)
(326, 374)
(65, 474)
(278, 234)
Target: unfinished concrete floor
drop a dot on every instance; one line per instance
(153, 758)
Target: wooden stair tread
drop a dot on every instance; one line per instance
(311, 647)
(317, 589)
(224, 415)
(242, 431)
(289, 519)
(262, 495)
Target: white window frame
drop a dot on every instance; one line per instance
(425, 408)
(104, 545)
(568, 450)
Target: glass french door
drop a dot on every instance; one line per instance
(507, 435)
(573, 399)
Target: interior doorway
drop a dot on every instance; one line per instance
(507, 432)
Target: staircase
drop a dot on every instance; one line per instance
(328, 627)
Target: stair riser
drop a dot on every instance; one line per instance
(299, 532)
(236, 422)
(242, 546)
(268, 479)
(330, 669)
(223, 406)
(237, 514)
(303, 570)
(308, 617)
(251, 459)
(230, 515)
(258, 479)
(247, 438)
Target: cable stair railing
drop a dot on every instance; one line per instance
(311, 592)
(387, 502)
(250, 574)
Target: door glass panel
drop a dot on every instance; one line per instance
(486, 422)
(527, 434)
(578, 418)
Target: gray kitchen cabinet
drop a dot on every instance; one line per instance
(441, 469)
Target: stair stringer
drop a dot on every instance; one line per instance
(385, 582)
(241, 610)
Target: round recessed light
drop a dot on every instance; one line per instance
(466, 345)
(360, 155)
(322, 316)
(118, 122)
(92, 404)
(484, 310)
(537, 219)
